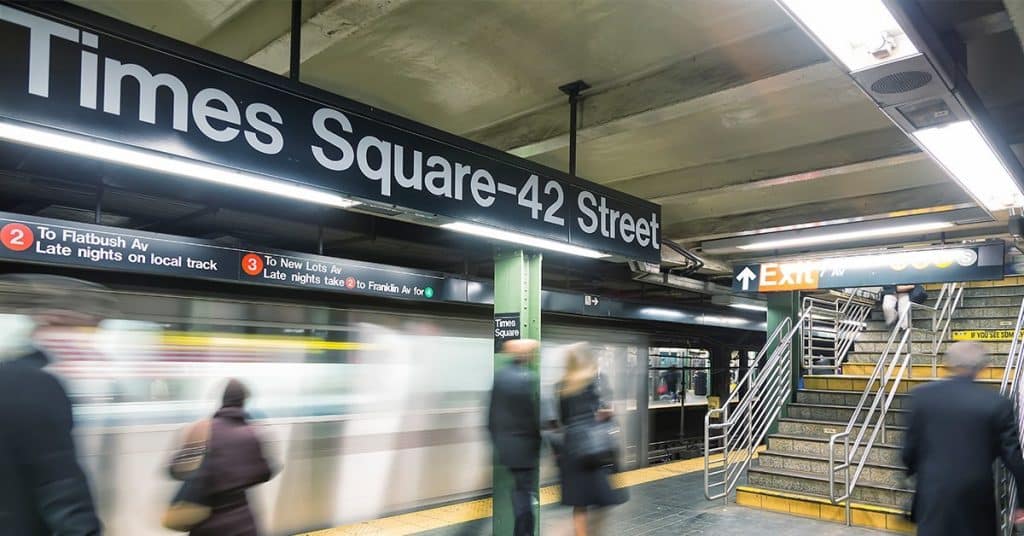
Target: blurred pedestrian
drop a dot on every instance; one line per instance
(672, 384)
(957, 429)
(896, 300)
(514, 425)
(232, 462)
(43, 491)
(586, 416)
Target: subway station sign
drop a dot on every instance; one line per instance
(977, 263)
(45, 241)
(64, 75)
(34, 240)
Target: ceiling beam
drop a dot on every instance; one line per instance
(771, 61)
(984, 26)
(334, 23)
(689, 232)
(825, 158)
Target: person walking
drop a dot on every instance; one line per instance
(43, 490)
(233, 463)
(957, 429)
(584, 485)
(514, 426)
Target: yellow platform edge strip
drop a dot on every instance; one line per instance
(454, 514)
(861, 515)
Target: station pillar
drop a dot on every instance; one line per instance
(517, 280)
(783, 305)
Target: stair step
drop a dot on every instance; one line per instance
(917, 359)
(825, 429)
(924, 371)
(882, 475)
(847, 382)
(1003, 300)
(877, 347)
(817, 484)
(881, 453)
(840, 414)
(840, 398)
(861, 515)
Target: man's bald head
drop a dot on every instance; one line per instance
(522, 350)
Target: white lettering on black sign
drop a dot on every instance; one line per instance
(506, 328)
(104, 86)
(39, 240)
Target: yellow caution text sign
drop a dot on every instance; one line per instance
(983, 335)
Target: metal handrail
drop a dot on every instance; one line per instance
(739, 430)
(842, 320)
(888, 373)
(1006, 488)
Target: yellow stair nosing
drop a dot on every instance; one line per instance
(819, 500)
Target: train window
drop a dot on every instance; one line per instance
(678, 374)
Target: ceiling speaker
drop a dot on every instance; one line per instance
(901, 82)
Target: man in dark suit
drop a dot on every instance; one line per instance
(514, 424)
(957, 429)
(43, 491)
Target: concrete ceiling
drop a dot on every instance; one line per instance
(723, 111)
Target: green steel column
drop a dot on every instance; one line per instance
(782, 305)
(517, 278)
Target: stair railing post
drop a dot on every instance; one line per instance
(750, 424)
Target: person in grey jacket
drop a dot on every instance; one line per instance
(514, 426)
(43, 490)
(957, 429)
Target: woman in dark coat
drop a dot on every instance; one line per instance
(234, 463)
(583, 487)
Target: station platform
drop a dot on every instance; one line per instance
(665, 499)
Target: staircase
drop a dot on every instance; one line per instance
(792, 473)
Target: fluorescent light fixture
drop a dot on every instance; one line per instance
(521, 239)
(859, 33)
(739, 302)
(662, 312)
(727, 320)
(141, 158)
(750, 307)
(862, 234)
(963, 151)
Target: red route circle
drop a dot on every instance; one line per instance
(252, 264)
(350, 282)
(16, 237)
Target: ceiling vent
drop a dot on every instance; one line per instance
(911, 92)
(901, 82)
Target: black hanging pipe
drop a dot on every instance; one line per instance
(293, 69)
(573, 90)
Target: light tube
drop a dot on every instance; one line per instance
(969, 159)
(521, 239)
(145, 159)
(859, 33)
(749, 307)
(862, 234)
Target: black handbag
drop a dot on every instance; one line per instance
(918, 295)
(592, 442)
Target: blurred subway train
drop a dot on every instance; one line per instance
(363, 412)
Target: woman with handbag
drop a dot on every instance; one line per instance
(591, 440)
(221, 459)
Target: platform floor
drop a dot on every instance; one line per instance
(665, 499)
(673, 506)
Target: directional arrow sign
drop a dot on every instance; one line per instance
(745, 277)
